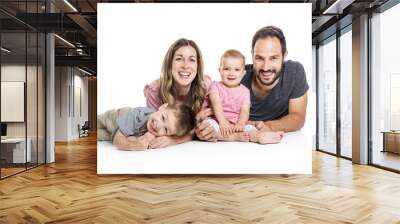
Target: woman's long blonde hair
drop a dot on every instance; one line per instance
(197, 88)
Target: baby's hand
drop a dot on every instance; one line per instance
(225, 128)
(239, 127)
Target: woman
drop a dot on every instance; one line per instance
(181, 80)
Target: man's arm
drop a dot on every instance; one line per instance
(294, 120)
(132, 143)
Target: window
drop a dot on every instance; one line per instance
(327, 96)
(346, 75)
(385, 89)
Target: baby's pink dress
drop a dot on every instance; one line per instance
(232, 99)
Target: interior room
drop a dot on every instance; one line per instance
(49, 108)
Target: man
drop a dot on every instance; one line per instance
(278, 88)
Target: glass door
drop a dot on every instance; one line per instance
(385, 89)
(346, 75)
(327, 96)
(22, 76)
(13, 103)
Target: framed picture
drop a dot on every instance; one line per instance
(133, 40)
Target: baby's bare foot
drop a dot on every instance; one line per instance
(266, 137)
(237, 136)
(242, 136)
(270, 137)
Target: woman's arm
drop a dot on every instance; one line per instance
(132, 143)
(165, 141)
(151, 93)
(243, 117)
(224, 125)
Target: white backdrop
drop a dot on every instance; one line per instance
(133, 39)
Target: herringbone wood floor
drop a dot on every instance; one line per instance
(70, 191)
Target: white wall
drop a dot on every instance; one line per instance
(61, 103)
(15, 72)
(68, 81)
(129, 58)
(35, 122)
(80, 118)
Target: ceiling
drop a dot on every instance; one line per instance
(76, 22)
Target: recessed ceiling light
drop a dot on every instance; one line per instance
(70, 5)
(84, 71)
(64, 40)
(5, 50)
(337, 7)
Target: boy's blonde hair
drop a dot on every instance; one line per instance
(185, 118)
(232, 53)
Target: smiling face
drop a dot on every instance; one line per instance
(162, 122)
(184, 66)
(232, 71)
(268, 60)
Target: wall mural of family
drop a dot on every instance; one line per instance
(256, 102)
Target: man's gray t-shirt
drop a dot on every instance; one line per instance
(134, 121)
(292, 84)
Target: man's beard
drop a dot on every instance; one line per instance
(273, 71)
